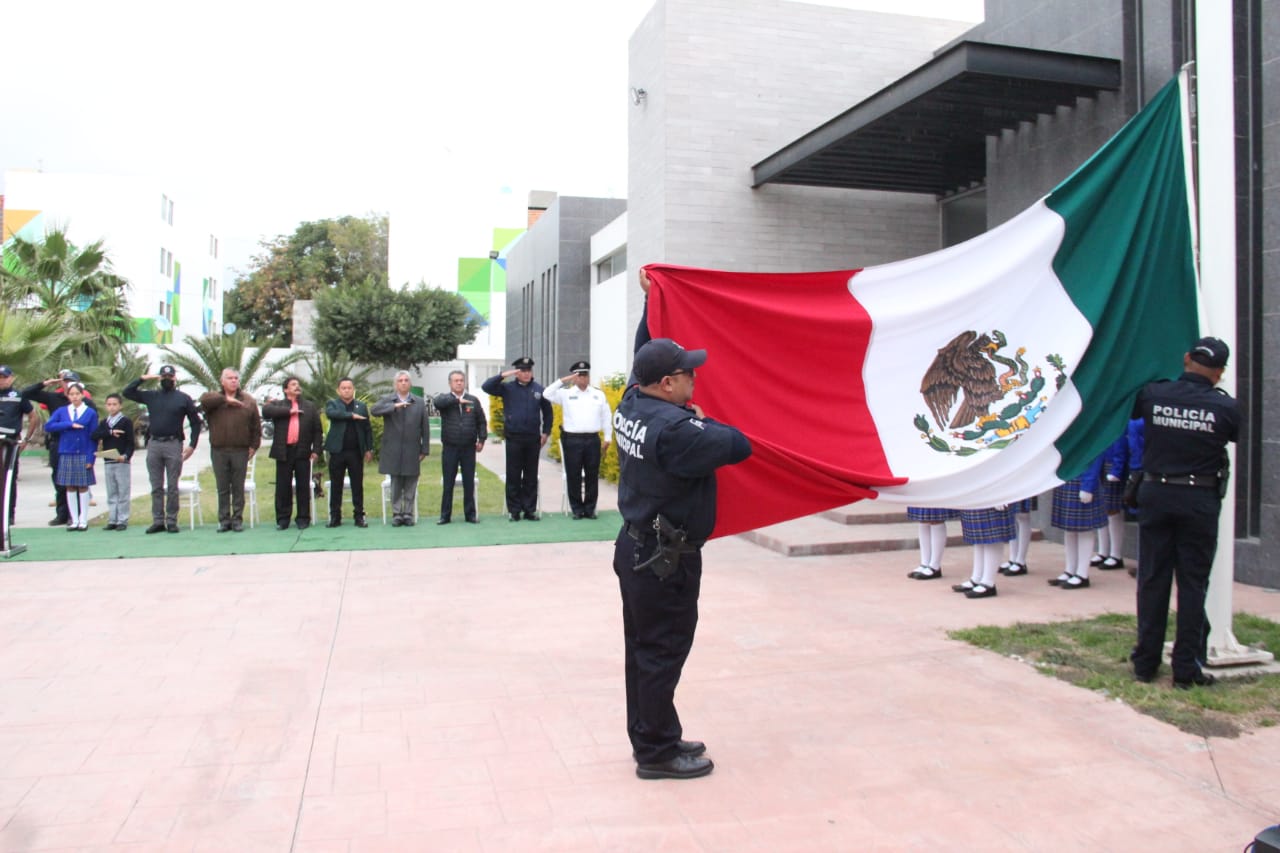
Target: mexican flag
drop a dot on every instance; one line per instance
(982, 374)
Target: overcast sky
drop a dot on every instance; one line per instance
(273, 112)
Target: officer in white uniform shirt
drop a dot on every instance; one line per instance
(585, 415)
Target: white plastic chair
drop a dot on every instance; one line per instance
(189, 486)
(386, 499)
(251, 491)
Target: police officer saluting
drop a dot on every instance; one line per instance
(668, 453)
(1188, 425)
(585, 415)
(526, 418)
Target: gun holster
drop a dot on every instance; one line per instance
(1131, 489)
(670, 543)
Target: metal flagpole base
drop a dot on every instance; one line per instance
(1235, 655)
(13, 551)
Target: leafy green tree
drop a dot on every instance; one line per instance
(394, 328)
(72, 285)
(318, 255)
(209, 356)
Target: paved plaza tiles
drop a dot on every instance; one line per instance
(471, 700)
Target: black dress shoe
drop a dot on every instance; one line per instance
(442, 521)
(303, 525)
(172, 528)
(224, 527)
(515, 516)
(589, 515)
(531, 516)
(59, 521)
(397, 522)
(158, 527)
(577, 516)
(692, 748)
(120, 527)
(333, 522)
(110, 526)
(1200, 679)
(360, 522)
(681, 767)
(284, 526)
(237, 527)
(473, 520)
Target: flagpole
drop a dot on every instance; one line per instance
(1215, 133)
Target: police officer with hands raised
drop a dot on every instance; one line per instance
(1184, 476)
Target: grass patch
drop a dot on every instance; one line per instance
(1094, 654)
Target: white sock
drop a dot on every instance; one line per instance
(1104, 541)
(73, 508)
(990, 558)
(938, 535)
(1020, 545)
(926, 543)
(1071, 549)
(1116, 525)
(975, 574)
(1082, 557)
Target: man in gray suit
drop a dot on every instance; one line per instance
(406, 441)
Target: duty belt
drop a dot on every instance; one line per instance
(166, 438)
(1205, 481)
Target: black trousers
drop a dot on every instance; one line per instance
(453, 457)
(9, 452)
(59, 492)
(522, 473)
(582, 470)
(659, 618)
(1177, 538)
(293, 477)
(350, 464)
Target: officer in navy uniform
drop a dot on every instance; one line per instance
(526, 418)
(668, 453)
(14, 410)
(1188, 425)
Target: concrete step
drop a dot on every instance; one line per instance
(817, 535)
(867, 512)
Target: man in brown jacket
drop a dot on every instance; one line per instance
(235, 433)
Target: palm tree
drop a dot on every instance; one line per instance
(72, 285)
(211, 355)
(327, 369)
(32, 344)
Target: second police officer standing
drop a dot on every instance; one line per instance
(1188, 425)
(585, 414)
(526, 418)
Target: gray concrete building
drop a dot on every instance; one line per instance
(775, 136)
(549, 278)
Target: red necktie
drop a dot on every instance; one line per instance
(292, 437)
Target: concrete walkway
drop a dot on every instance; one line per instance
(471, 700)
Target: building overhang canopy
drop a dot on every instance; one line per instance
(926, 133)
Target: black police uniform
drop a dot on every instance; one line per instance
(14, 409)
(667, 460)
(526, 417)
(1188, 423)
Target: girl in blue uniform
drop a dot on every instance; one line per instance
(1077, 513)
(75, 423)
(988, 531)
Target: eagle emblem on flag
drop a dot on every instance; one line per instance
(979, 398)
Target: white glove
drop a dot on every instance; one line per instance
(1086, 497)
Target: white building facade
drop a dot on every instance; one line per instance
(168, 253)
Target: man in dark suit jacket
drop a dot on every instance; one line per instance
(297, 442)
(463, 429)
(349, 445)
